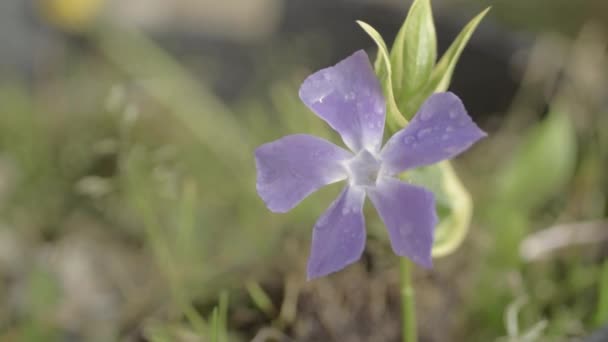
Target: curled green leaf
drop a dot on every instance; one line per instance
(383, 68)
(453, 228)
(454, 205)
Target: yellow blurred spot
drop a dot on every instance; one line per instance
(71, 15)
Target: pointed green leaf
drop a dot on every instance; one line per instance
(383, 70)
(442, 75)
(414, 52)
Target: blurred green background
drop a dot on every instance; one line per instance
(128, 209)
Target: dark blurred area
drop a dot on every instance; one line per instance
(35, 44)
(235, 35)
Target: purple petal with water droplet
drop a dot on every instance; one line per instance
(291, 168)
(349, 98)
(408, 212)
(338, 238)
(441, 130)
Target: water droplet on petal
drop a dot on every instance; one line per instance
(424, 132)
(450, 149)
(379, 110)
(322, 222)
(404, 230)
(426, 115)
(408, 140)
(453, 114)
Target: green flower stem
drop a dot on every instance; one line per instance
(408, 307)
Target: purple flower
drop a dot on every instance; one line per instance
(349, 98)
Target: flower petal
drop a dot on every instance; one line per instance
(349, 98)
(338, 238)
(291, 168)
(440, 130)
(408, 212)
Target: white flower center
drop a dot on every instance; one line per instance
(364, 169)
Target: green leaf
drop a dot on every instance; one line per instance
(541, 166)
(414, 51)
(601, 315)
(442, 74)
(43, 293)
(223, 317)
(215, 325)
(454, 205)
(384, 71)
(260, 298)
